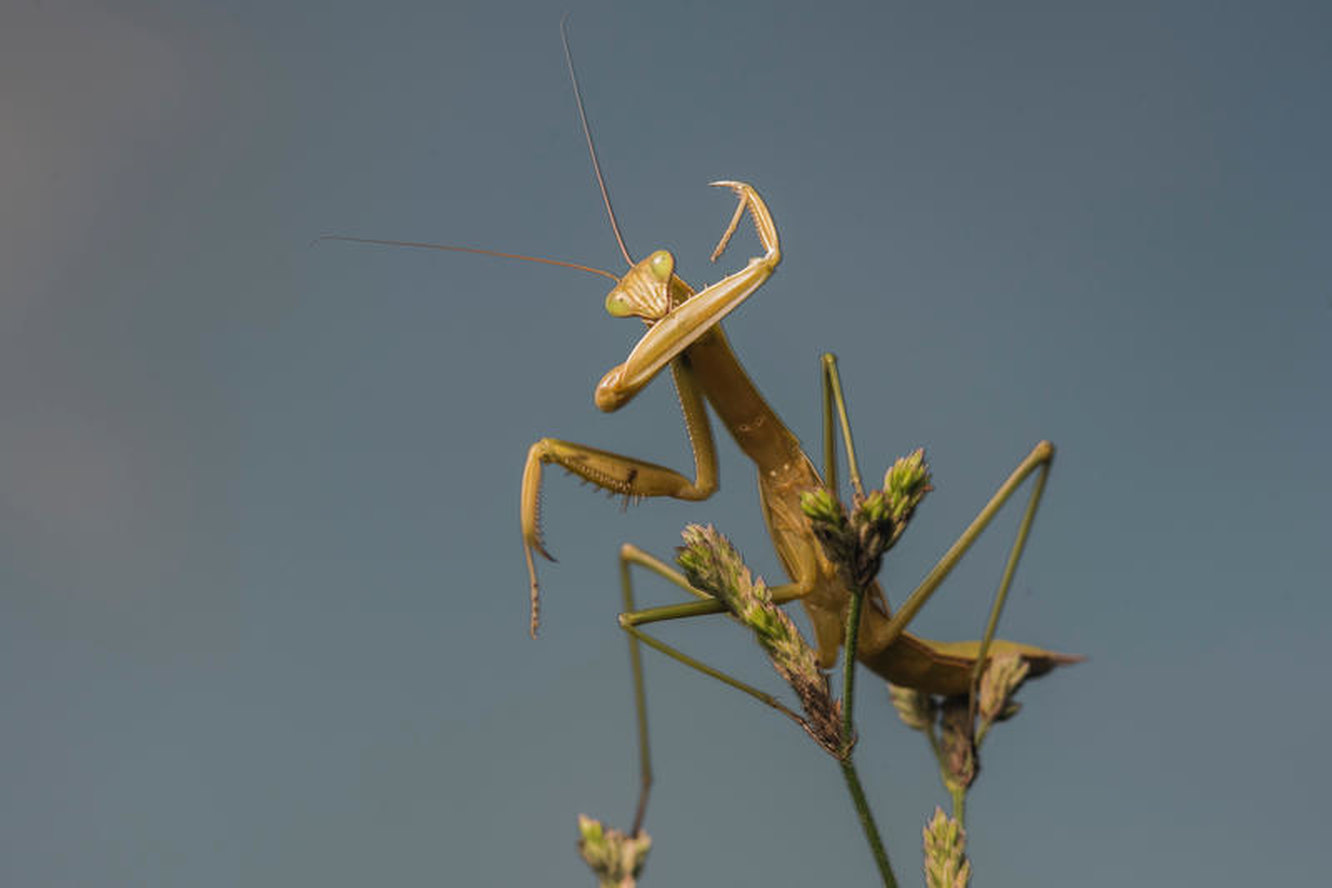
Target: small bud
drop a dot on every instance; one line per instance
(917, 709)
(873, 509)
(875, 531)
(946, 864)
(905, 484)
(820, 505)
(828, 520)
(615, 858)
(857, 543)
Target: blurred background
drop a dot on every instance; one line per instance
(263, 608)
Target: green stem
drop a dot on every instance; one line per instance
(959, 795)
(867, 822)
(863, 811)
(850, 644)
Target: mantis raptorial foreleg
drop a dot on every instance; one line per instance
(679, 318)
(689, 319)
(620, 474)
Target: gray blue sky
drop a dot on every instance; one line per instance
(262, 600)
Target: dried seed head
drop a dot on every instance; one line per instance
(823, 714)
(917, 709)
(946, 864)
(960, 764)
(713, 565)
(615, 858)
(1003, 676)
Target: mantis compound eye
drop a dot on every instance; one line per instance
(662, 263)
(618, 304)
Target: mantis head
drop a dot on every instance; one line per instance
(648, 290)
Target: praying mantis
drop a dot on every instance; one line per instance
(684, 335)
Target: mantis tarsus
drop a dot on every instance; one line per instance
(684, 334)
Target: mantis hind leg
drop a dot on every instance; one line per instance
(956, 667)
(1038, 462)
(965, 661)
(834, 402)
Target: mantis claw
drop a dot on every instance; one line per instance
(763, 225)
(735, 218)
(534, 590)
(531, 526)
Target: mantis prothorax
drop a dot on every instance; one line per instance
(684, 334)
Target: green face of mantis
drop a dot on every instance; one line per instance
(649, 290)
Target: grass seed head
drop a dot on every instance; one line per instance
(916, 709)
(616, 859)
(946, 864)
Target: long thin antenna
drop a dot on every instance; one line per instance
(496, 253)
(591, 148)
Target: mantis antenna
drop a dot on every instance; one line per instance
(596, 168)
(480, 252)
(591, 148)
